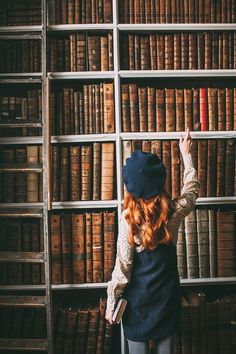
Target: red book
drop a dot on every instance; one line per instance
(203, 109)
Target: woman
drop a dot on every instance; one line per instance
(146, 271)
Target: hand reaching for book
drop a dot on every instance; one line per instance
(108, 316)
(185, 143)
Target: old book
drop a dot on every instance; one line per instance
(203, 242)
(175, 168)
(70, 329)
(97, 247)
(220, 168)
(55, 173)
(81, 329)
(108, 94)
(94, 53)
(170, 110)
(64, 169)
(75, 171)
(92, 327)
(221, 109)
(108, 244)
(160, 110)
(56, 268)
(211, 168)
(142, 106)
(202, 167)
(86, 172)
(196, 110)
(179, 109)
(96, 171)
(212, 110)
(192, 245)
(88, 248)
(229, 167)
(203, 109)
(66, 248)
(101, 324)
(107, 171)
(194, 311)
(181, 251)
(133, 102)
(185, 325)
(125, 108)
(211, 328)
(229, 108)
(188, 123)
(78, 248)
(104, 53)
(212, 242)
(166, 158)
(60, 328)
(226, 243)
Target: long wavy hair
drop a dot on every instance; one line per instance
(154, 214)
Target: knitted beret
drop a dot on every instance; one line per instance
(144, 174)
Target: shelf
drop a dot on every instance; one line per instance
(80, 27)
(208, 281)
(23, 344)
(81, 75)
(85, 204)
(177, 27)
(20, 124)
(21, 287)
(56, 139)
(21, 167)
(216, 200)
(79, 286)
(177, 73)
(23, 257)
(10, 36)
(176, 135)
(22, 301)
(16, 29)
(28, 140)
(29, 212)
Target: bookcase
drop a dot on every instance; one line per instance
(51, 28)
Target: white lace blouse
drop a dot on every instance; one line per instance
(183, 205)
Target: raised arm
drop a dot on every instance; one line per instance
(123, 266)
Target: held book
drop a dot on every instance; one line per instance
(119, 310)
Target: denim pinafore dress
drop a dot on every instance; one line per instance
(153, 295)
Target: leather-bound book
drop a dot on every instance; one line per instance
(195, 323)
(201, 50)
(55, 236)
(181, 252)
(160, 38)
(220, 168)
(224, 323)
(127, 150)
(145, 61)
(211, 168)
(202, 167)
(196, 110)
(175, 168)
(169, 52)
(108, 94)
(86, 172)
(153, 52)
(146, 146)
(170, 110)
(208, 60)
(188, 106)
(90, 110)
(203, 242)
(168, 11)
(107, 11)
(66, 248)
(128, 57)
(225, 50)
(104, 53)
(203, 109)
(35, 247)
(110, 52)
(156, 147)
(137, 12)
(151, 109)
(226, 243)
(133, 97)
(32, 177)
(211, 316)
(101, 324)
(192, 245)
(215, 50)
(75, 170)
(72, 313)
(64, 168)
(212, 242)
(125, 108)
(137, 144)
(192, 51)
(162, 12)
(185, 326)
(97, 247)
(142, 105)
(109, 243)
(86, 108)
(221, 109)
(166, 158)
(160, 110)
(41, 248)
(177, 51)
(108, 337)
(212, 101)
(92, 328)
(60, 330)
(96, 171)
(137, 52)
(179, 107)
(194, 153)
(229, 167)
(107, 171)
(78, 248)
(88, 248)
(229, 108)
(184, 50)
(81, 329)
(220, 50)
(40, 176)
(55, 173)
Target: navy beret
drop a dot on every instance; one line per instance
(144, 174)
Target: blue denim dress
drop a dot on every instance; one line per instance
(153, 295)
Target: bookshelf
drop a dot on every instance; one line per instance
(43, 209)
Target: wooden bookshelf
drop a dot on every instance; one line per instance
(42, 32)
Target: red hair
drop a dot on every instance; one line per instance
(155, 213)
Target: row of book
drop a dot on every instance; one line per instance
(81, 52)
(22, 108)
(213, 159)
(21, 235)
(175, 11)
(89, 109)
(22, 323)
(205, 50)
(206, 244)
(20, 56)
(83, 247)
(79, 11)
(20, 13)
(85, 172)
(81, 327)
(146, 108)
(21, 186)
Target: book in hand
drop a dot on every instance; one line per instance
(119, 310)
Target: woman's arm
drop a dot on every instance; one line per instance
(123, 266)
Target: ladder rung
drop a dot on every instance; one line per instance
(22, 212)
(23, 344)
(21, 167)
(24, 257)
(22, 301)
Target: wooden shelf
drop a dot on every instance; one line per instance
(22, 301)
(22, 140)
(23, 344)
(19, 124)
(21, 167)
(16, 29)
(22, 212)
(22, 257)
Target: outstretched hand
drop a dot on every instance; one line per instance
(185, 143)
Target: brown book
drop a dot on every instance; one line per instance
(196, 110)
(169, 52)
(175, 169)
(75, 170)
(60, 329)
(109, 244)
(160, 110)
(96, 171)
(160, 38)
(229, 108)
(194, 310)
(188, 121)
(151, 104)
(107, 171)
(94, 53)
(142, 105)
(88, 248)
(146, 146)
(64, 173)
(72, 313)
(133, 97)
(177, 51)
(40, 177)
(229, 167)
(66, 249)
(212, 101)
(212, 242)
(125, 108)
(203, 242)
(78, 248)
(55, 173)
(192, 51)
(226, 245)
(56, 269)
(108, 94)
(211, 168)
(104, 53)
(153, 52)
(97, 247)
(166, 158)
(202, 167)
(192, 245)
(184, 51)
(156, 147)
(101, 324)
(86, 172)
(170, 110)
(179, 106)
(221, 109)
(181, 252)
(92, 328)
(81, 329)
(220, 168)
(185, 326)
(211, 316)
